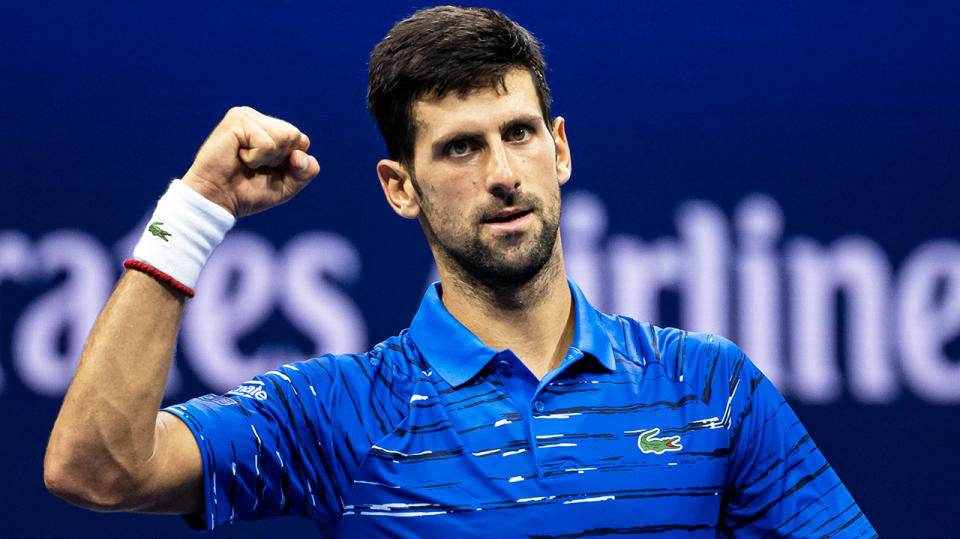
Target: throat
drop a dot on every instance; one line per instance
(534, 320)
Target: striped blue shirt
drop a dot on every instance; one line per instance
(640, 430)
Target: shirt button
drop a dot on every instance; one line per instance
(538, 406)
(504, 367)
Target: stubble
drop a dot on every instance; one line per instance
(501, 264)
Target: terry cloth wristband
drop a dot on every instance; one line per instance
(182, 232)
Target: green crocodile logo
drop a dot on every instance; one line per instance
(155, 229)
(648, 444)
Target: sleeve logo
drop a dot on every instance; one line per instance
(648, 444)
(251, 390)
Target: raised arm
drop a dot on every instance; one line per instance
(110, 449)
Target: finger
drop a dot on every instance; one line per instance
(257, 147)
(304, 143)
(303, 166)
(285, 134)
(268, 140)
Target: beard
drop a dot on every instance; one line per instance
(504, 261)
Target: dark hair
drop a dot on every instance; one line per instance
(440, 50)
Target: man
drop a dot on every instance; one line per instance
(510, 407)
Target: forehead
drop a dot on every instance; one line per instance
(477, 110)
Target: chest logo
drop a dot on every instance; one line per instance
(648, 444)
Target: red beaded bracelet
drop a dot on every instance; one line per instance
(158, 275)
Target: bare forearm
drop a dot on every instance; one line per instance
(105, 431)
(110, 449)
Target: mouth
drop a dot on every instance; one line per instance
(507, 216)
(511, 220)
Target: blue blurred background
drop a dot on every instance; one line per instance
(782, 173)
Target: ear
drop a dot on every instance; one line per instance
(563, 149)
(398, 188)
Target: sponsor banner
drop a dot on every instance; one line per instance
(823, 321)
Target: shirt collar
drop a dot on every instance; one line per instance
(458, 355)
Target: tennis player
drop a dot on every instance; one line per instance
(510, 406)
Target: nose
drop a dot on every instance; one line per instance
(501, 180)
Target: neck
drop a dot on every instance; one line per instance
(534, 319)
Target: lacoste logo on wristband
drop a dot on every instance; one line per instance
(648, 444)
(201, 225)
(155, 229)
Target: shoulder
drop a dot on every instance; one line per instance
(388, 362)
(675, 350)
(386, 368)
(713, 365)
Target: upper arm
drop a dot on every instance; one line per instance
(263, 449)
(283, 443)
(174, 480)
(778, 482)
(168, 481)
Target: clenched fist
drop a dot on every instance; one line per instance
(252, 162)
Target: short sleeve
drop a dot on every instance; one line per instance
(265, 447)
(778, 483)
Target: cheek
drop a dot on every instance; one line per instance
(447, 201)
(544, 159)
(546, 171)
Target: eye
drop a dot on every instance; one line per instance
(518, 133)
(458, 147)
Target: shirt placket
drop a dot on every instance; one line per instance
(528, 396)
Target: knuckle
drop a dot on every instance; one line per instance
(238, 111)
(269, 147)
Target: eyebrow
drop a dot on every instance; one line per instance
(532, 119)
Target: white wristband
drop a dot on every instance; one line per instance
(184, 229)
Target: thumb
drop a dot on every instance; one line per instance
(303, 166)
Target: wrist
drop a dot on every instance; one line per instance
(181, 234)
(209, 190)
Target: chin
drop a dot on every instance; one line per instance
(511, 268)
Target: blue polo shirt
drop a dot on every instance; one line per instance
(640, 430)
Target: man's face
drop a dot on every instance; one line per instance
(488, 172)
